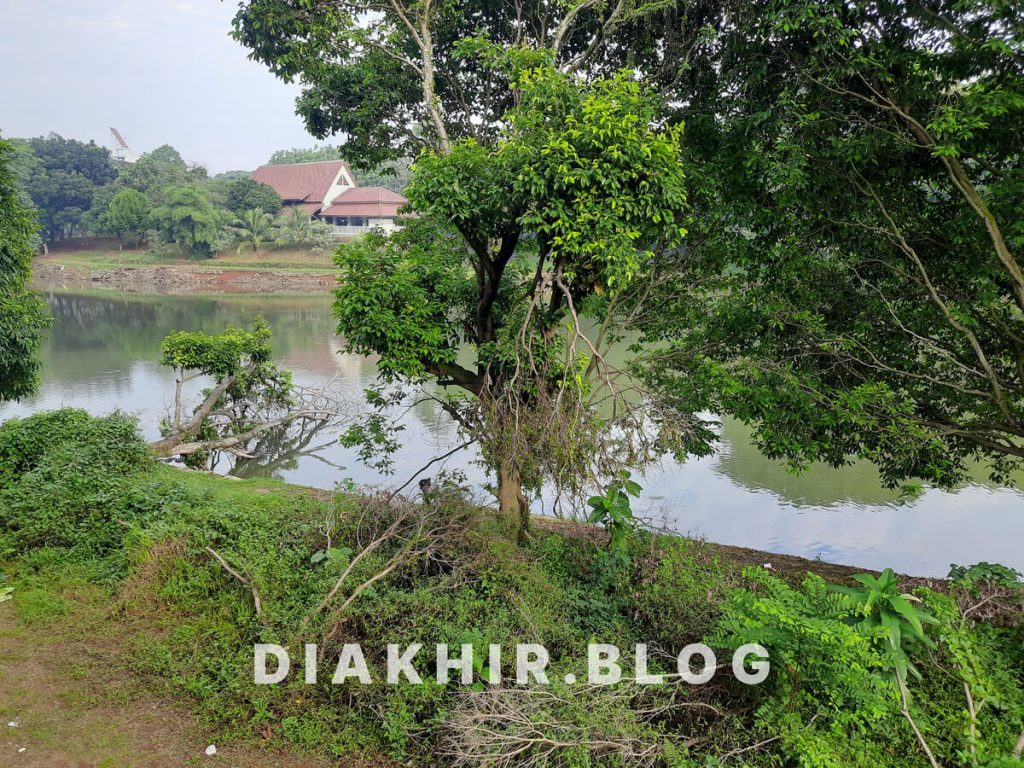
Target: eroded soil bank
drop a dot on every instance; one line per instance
(179, 279)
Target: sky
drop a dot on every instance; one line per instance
(160, 71)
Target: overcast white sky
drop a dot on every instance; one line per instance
(160, 71)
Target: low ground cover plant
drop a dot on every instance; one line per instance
(199, 568)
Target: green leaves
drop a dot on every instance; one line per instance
(23, 315)
(839, 171)
(614, 512)
(221, 355)
(188, 219)
(128, 212)
(601, 184)
(407, 298)
(883, 607)
(337, 556)
(254, 227)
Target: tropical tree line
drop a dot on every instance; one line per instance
(78, 189)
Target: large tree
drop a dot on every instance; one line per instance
(61, 177)
(127, 214)
(245, 194)
(529, 260)
(189, 220)
(544, 187)
(397, 76)
(856, 286)
(156, 172)
(23, 315)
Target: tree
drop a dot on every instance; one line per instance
(310, 155)
(394, 175)
(189, 220)
(510, 285)
(294, 227)
(855, 285)
(250, 397)
(101, 199)
(61, 179)
(154, 173)
(246, 194)
(128, 214)
(397, 76)
(23, 315)
(254, 227)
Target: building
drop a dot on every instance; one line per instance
(328, 191)
(360, 208)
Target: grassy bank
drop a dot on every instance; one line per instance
(111, 260)
(183, 572)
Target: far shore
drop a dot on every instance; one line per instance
(144, 271)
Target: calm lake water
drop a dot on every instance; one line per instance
(102, 355)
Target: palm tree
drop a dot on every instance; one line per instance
(254, 227)
(294, 227)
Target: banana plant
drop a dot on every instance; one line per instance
(881, 606)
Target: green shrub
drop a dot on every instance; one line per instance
(25, 441)
(80, 495)
(680, 590)
(62, 479)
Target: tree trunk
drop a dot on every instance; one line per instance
(512, 501)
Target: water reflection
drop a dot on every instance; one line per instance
(103, 354)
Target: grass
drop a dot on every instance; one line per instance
(305, 262)
(121, 605)
(68, 687)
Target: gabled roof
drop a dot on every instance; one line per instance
(301, 182)
(366, 201)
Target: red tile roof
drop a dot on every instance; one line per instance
(366, 201)
(301, 182)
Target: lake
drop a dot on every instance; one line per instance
(103, 353)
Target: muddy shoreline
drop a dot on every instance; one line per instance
(177, 280)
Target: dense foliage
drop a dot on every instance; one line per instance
(159, 539)
(521, 251)
(189, 220)
(128, 214)
(859, 181)
(397, 77)
(61, 175)
(246, 195)
(23, 314)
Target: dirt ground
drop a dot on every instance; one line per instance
(64, 703)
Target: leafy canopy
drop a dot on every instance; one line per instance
(225, 354)
(128, 212)
(519, 251)
(395, 78)
(853, 285)
(23, 314)
(61, 176)
(246, 194)
(188, 219)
